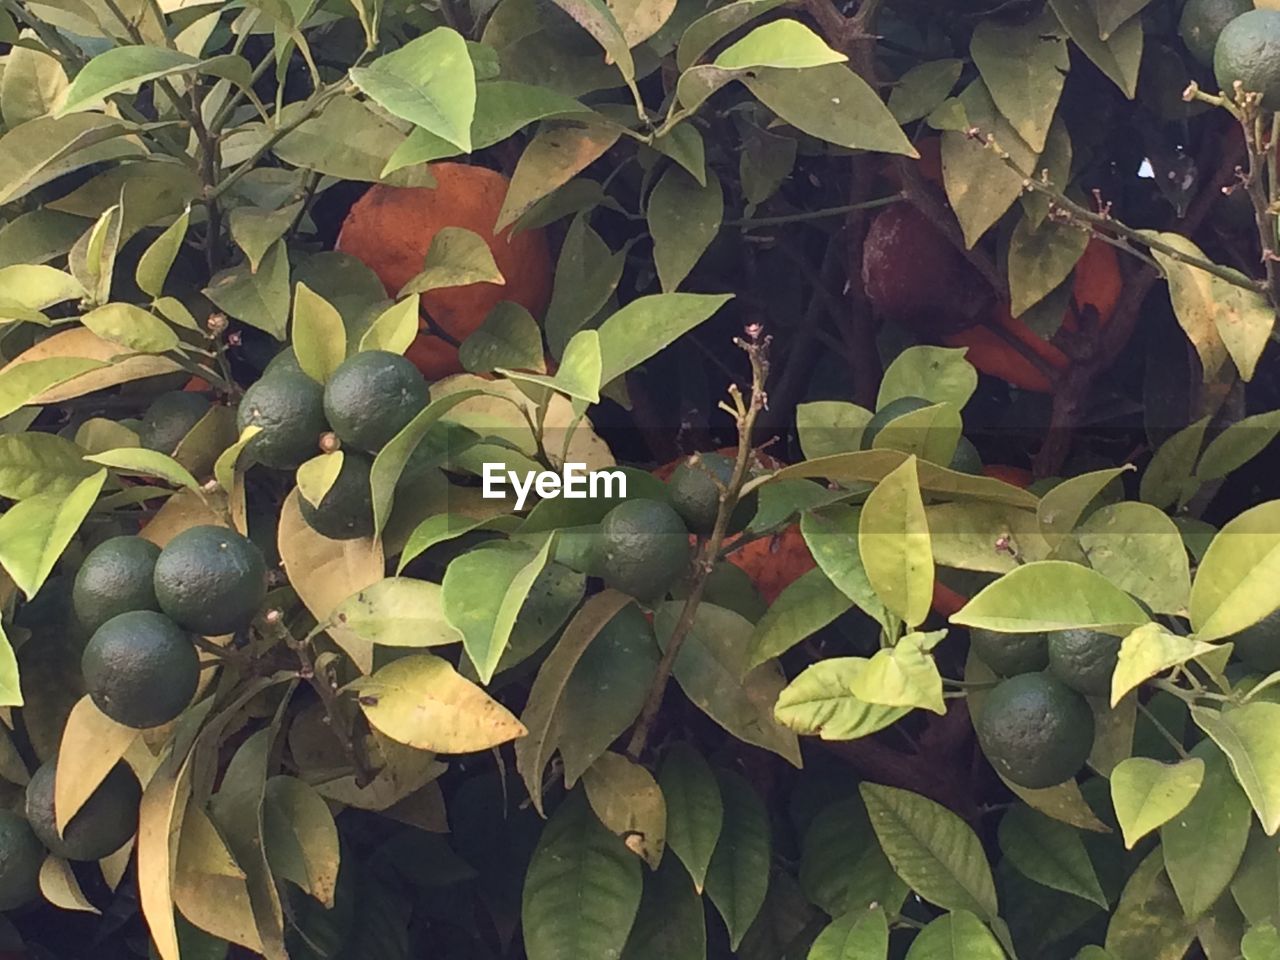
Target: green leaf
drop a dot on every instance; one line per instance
(979, 186)
(671, 924)
(23, 383)
(958, 935)
(137, 461)
(553, 157)
(38, 236)
(1232, 589)
(936, 374)
(1118, 56)
(34, 533)
(831, 534)
(923, 88)
(684, 218)
(1052, 595)
(582, 889)
(430, 81)
(930, 433)
(808, 604)
(1237, 445)
(1147, 923)
(1167, 479)
(1215, 313)
(1147, 793)
(1050, 853)
(1139, 549)
(301, 837)
(695, 809)
(421, 701)
(542, 714)
(394, 612)
(786, 44)
(860, 934)
(903, 675)
(392, 458)
(1064, 505)
(1261, 943)
(630, 803)
(48, 147)
(259, 298)
(1250, 737)
(39, 463)
(966, 536)
(711, 670)
(1040, 260)
(131, 327)
(255, 231)
(483, 591)
(587, 274)
(34, 82)
(457, 257)
(701, 35)
(509, 337)
(395, 328)
(317, 476)
(738, 877)
(157, 260)
(765, 163)
(1024, 68)
(349, 140)
(319, 337)
(433, 530)
(842, 867)
(932, 849)
(1148, 651)
(872, 466)
(579, 373)
(36, 287)
(893, 540)
(649, 324)
(1204, 844)
(122, 70)
(820, 703)
(828, 427)
(10, 685)
(831, 103)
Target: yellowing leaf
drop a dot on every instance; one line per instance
(423, 702)
(1147, 793)
(92, 744)
(893, 540)
(1148, 651)
(630, 803)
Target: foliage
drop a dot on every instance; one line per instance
(767, 750)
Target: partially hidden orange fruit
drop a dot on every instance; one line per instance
(390, 229)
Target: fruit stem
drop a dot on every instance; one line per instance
(756, 347)
(1163, 731)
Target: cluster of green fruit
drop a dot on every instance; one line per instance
(644, 545)
(1035, 726)
(368, 399)
(141, 607)
(1240, 43)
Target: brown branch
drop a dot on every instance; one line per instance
(1090, 362)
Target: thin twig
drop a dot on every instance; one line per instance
(757, 349)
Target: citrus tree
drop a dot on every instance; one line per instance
(653, 479)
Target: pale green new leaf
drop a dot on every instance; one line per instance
(34, 533)
(319, 337)
(1147, 793)
(1233, 585)
(1250, 737)
(1052, 595)
(1148, 651)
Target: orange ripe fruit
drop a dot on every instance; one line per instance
(390, 230)
(774, 563)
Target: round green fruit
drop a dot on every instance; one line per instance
(102, 826)
(372, 396)
(1248, 51)
(170, 418)
(1010, 654)
(1202, 22)
(21, 856)
(694, 488)
(887, 414)
(643, 548)
(1084, 660)
(211, 580)
(346, 511)
(117, 576)
(140, 669)
(1036, 731)
(288, 409)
